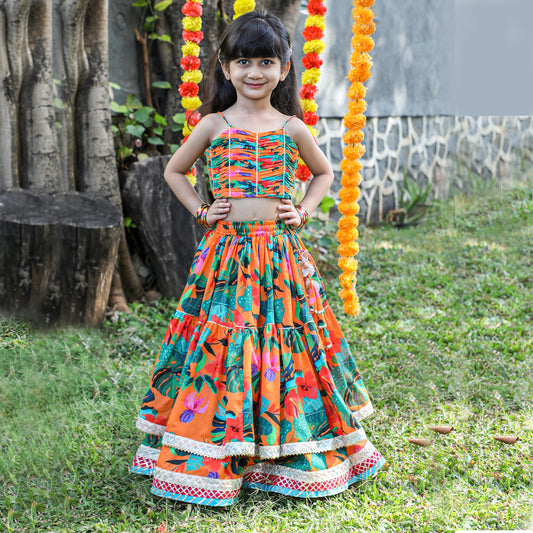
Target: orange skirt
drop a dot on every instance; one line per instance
(254, 385)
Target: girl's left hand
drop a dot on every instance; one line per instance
(287, 212)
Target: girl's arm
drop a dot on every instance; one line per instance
(319, 166)
(181, 162)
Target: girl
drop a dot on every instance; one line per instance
(254, 385)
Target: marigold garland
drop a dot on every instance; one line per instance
(313, 34)
(354, 121)
(190, 63)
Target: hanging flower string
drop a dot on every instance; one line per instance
(243, 6)
(190, 63)
(314, 45)
(354, 121)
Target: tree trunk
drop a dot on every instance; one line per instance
(57, 256)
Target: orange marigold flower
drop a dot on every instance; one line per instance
(354, 122)
(192, 9)
(316, 7)
(311, 60)
(188, 89)
(190, 63)
(348, 295)
(353, 136)
(345, 235)
(348, 222)
(365, 3)
(365, 29)
(351, 167)
(311, 33)
(303, 173)
(348, 208)
(347, 279)
(351, 180)
(362, 15)
(348, 248)
(308, 91)
(352, 308)
(357, 90)
(193, 36)
(355, 151)
(362, 43)
(310, 118)
(350, 194)
(348, 264)
(357, 106)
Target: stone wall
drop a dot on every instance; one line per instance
(447, 151)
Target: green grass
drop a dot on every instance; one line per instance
(444, 337)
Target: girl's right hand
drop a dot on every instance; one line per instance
(218, 210)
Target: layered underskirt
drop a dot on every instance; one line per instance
(254, 385)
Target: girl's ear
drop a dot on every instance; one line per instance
(285, 71)
(225, 70)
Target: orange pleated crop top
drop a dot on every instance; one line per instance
(247, 164)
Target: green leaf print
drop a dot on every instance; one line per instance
(234, 380)
(194, 462)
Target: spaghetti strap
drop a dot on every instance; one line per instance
(285, 123)
(222, 115)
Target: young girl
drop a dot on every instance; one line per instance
(254, 385)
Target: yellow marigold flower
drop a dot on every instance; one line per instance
(314, 47)
(356, 91)
(354, 122)
(186, 129)
(190, 49)
(318, 21)
(309, 105)
(313, 131)
(192, 23)
(192, 76)
(353, 136)
(192, 178)
(191, 102)
(348, 248)
(311, 76)
(243, 6)
(355, 151)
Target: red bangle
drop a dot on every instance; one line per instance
(304, 215)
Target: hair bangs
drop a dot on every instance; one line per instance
(257, 39)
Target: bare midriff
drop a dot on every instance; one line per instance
(251, 209)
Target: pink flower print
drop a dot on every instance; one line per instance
(270, 363)
(256, 362)
(193, 406)
(201, 260)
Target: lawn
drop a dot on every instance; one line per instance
(444, 338)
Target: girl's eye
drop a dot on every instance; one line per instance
(242, 61)
(267, 61)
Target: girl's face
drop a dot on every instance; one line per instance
(255, 77)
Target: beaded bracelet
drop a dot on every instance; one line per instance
(201, 216)
(304, 215)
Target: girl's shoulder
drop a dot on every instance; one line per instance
(297, 130)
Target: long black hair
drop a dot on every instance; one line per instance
(254, 34)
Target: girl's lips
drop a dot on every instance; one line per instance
(255, 85)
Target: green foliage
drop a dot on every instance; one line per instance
(444, 338)
(140, 129)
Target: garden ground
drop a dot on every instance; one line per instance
(444, 338)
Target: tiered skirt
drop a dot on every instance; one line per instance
(254, 385)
